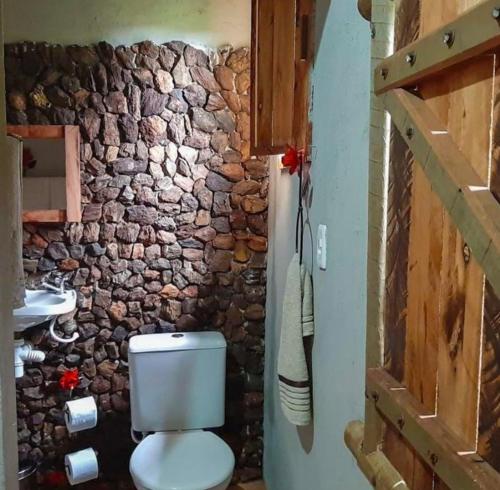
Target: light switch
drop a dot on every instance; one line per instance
(321, 250)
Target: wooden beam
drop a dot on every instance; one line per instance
(382, 45)
(429, 436)
(73, 182)
(375, 466)
(262, 73)
(489, 414)
(37, 131)
(45, 216)
(474, 32)
(407, 337)
(283, 71)
(468, 200)
(466, 110)
(304, 54)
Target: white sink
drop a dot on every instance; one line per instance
(41, 306)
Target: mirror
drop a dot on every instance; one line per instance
(44, 174)
(51, 172)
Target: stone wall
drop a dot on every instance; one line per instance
(173, 234)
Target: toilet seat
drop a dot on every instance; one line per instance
(191, 460)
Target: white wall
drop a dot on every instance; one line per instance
(316, 457)
(202, 22)
(8, 430)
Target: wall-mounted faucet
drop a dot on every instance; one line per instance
(61, 289)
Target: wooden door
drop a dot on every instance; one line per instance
(433, 393)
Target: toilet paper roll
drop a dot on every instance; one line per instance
(80, 414)
(81, 466)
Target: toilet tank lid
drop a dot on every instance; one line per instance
(162, 342)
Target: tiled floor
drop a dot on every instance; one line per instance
(256, 485)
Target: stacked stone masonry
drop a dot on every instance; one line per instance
(173, 236)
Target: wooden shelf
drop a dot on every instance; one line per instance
(71, 137)
(45, 216)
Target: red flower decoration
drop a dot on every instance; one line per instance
(55, 479)
(69, 380)
(28, 159)
(291, 159)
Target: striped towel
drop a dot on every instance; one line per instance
(297, 322)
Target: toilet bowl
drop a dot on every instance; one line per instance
(190, 460)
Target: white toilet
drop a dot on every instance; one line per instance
(177, 385)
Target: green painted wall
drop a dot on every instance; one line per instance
(203, 22)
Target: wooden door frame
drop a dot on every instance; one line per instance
(470, 204)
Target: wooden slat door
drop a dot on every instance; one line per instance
(441, 315)
(444, 285)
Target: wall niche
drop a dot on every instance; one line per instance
(51, 172)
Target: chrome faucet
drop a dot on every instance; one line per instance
(61, 289)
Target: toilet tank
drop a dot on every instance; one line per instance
(177, 381)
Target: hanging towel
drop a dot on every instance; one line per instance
(307, 303)
(14, 155)
(297, 322)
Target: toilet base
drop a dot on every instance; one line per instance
(222, 486)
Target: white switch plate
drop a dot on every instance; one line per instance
(321, 247)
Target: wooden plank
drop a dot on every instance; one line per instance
(463, 193)
(412, 467)
(303, 66)
(462, 293)
(431, 438)
(283, 71)
(489, 415)
(262, 77)
(460, 337)
(36, 131)
(253, 75)
(402, 327)
(398, 237)
(489, 418)
(495, 151)
(73, 184)
(474, 32)
(262, 91)
(45, 216)
(424, 259)
(407, 27)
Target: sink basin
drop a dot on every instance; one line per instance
(41, 306)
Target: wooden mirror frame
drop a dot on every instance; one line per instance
(71, 136)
